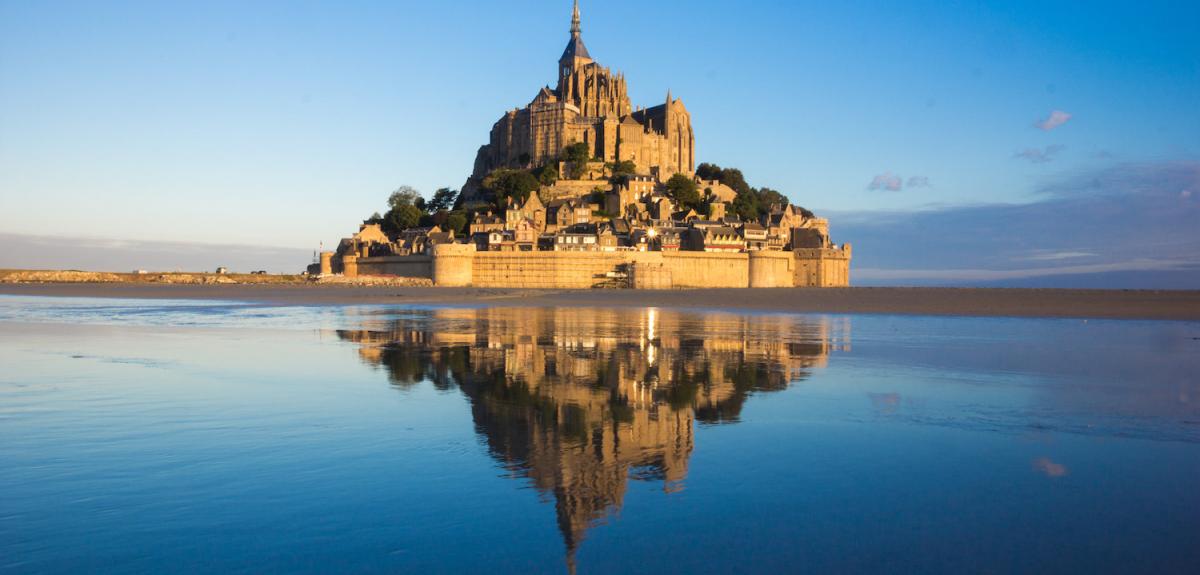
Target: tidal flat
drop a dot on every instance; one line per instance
(199, 435)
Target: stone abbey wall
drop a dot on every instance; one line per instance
(403, 266)
(459, 265)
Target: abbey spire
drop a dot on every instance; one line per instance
(576, 53)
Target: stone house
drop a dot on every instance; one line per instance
(715, 239)
(668, 239)
(754, 235)
(531, 210)
(661, 207)
(485, 222)
(685, 216)
(525, 235)
(779, 229)
(564, 213)
(369, 241)
(577, 238)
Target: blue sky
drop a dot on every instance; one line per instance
(282, 124)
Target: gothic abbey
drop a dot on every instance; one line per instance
(591, 105)
(580, 189)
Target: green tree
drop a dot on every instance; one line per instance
(400, 218)
(767, 196)
(707, 171)
(506, 183)
(404, 195)
(456, 222)
(578, 154)
(621, 171)
(682, 190)
(733, 178)
(547, 174)
(443, 199)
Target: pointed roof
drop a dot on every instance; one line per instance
(545, 95)
(533, 202)
(575, 47)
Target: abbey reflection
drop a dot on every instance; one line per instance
(578, 400)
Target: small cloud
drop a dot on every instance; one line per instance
(1049, 468)
(1055, 256)
(886, 181)
(1185, 195)
(1040, 155)
(1056, 119)
(918, 182)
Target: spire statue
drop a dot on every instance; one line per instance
(575, 29)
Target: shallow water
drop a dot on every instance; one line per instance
(151, 436)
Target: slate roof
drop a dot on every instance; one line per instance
(575, 49)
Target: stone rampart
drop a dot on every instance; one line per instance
(555, 269)
(708, 269)
(769, 269)
(326, 263)
(460, 265)
(650, 275)
(402, 266)
(453, 265)
(350, 266)
(822, 267)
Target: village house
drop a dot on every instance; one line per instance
(723, 239)
(754, 236)
(485, 222)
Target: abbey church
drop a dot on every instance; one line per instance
(581, 189)
(591, 105)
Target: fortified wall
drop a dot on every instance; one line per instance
(460, 265)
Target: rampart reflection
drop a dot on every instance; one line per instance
(579, 400)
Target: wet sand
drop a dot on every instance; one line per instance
(1112, 304)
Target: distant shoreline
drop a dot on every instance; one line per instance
(988, 302)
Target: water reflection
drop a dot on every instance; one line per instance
(580, 400)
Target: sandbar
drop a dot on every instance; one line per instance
(1049, 303)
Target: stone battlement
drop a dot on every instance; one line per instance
(460, 265)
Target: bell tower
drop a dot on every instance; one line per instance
(574, 57)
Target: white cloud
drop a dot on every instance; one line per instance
(918, 182)
(1053, 255)
(886, 181)
(1040, 155)
(1054, 120)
